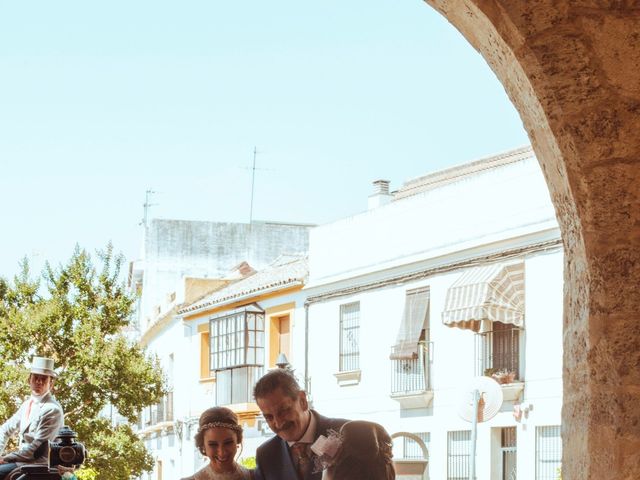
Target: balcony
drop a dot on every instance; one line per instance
(411, 380)
(498, 356)
(158, 417)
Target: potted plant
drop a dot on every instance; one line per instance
(503, 376)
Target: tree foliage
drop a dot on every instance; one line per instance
(77, 314)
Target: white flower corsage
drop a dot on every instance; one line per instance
(326, 450)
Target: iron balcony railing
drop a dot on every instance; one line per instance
(498, 352)
(411, 375)
(158, 413)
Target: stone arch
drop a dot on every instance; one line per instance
(572, 70)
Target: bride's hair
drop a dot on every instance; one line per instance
(365, 452)
(217, 417)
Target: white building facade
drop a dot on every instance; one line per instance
(213, 349)
(458, 274)
(214, 268)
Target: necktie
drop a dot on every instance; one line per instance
(29, 410)
(300, 454)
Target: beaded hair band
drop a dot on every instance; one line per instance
(231, 426)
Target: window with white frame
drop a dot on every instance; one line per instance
(237, 339)
(458, 453)
(236, 353)
(350, 337)
(548, 452)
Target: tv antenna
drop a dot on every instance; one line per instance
(253, 183)
(147, 205)
(481, 400)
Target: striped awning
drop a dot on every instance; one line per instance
(491, 293)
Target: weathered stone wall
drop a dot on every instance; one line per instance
(572, 69)
(178, 248)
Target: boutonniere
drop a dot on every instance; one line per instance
(325, 449)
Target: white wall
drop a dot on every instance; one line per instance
(496, 210)
(453, 366)
(497, 203)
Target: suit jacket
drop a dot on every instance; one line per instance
(45, 421)
(274, 460)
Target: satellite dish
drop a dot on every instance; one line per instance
(480, 401)
(489, 399)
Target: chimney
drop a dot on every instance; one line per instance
(381, 195)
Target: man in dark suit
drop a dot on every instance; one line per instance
(288, 456)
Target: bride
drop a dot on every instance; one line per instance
(218, 438)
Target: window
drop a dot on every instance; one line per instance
(458, 453)
(284, 339)
(411, 449)
(236, 353)
(205, 355)
(350, 337)
(235, 385)
(237, 339)
(409, 356)
(499, 350)
(279, 337)
(411, 375)
(508, 453)
(548, 452)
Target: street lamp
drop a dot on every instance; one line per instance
(282, 361)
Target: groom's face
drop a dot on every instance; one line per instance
(287, 417)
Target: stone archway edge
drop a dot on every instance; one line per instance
(572, 70)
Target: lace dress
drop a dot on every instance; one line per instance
(207, 473)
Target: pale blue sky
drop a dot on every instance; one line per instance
(100, 101)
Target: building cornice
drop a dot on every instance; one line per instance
(506, 254)
(457, 172)
(240, 299)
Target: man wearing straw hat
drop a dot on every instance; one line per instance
(37, 421)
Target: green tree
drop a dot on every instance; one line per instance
(77, 314)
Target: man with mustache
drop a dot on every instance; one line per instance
(36, 422)
(288, 456)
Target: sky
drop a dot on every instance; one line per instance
(102, 101)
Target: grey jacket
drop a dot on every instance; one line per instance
(45, 421)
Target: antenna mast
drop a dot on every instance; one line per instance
(147, 205)
(253, 183)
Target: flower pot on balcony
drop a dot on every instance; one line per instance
(503, 377)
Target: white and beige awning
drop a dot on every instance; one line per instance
(415, 318)
(486, 294)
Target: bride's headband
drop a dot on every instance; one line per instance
(231, 426)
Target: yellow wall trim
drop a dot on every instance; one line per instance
(280, 308)
(203, 328)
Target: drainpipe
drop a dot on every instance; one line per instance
(306, 348)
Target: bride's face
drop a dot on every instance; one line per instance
(220, 446)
